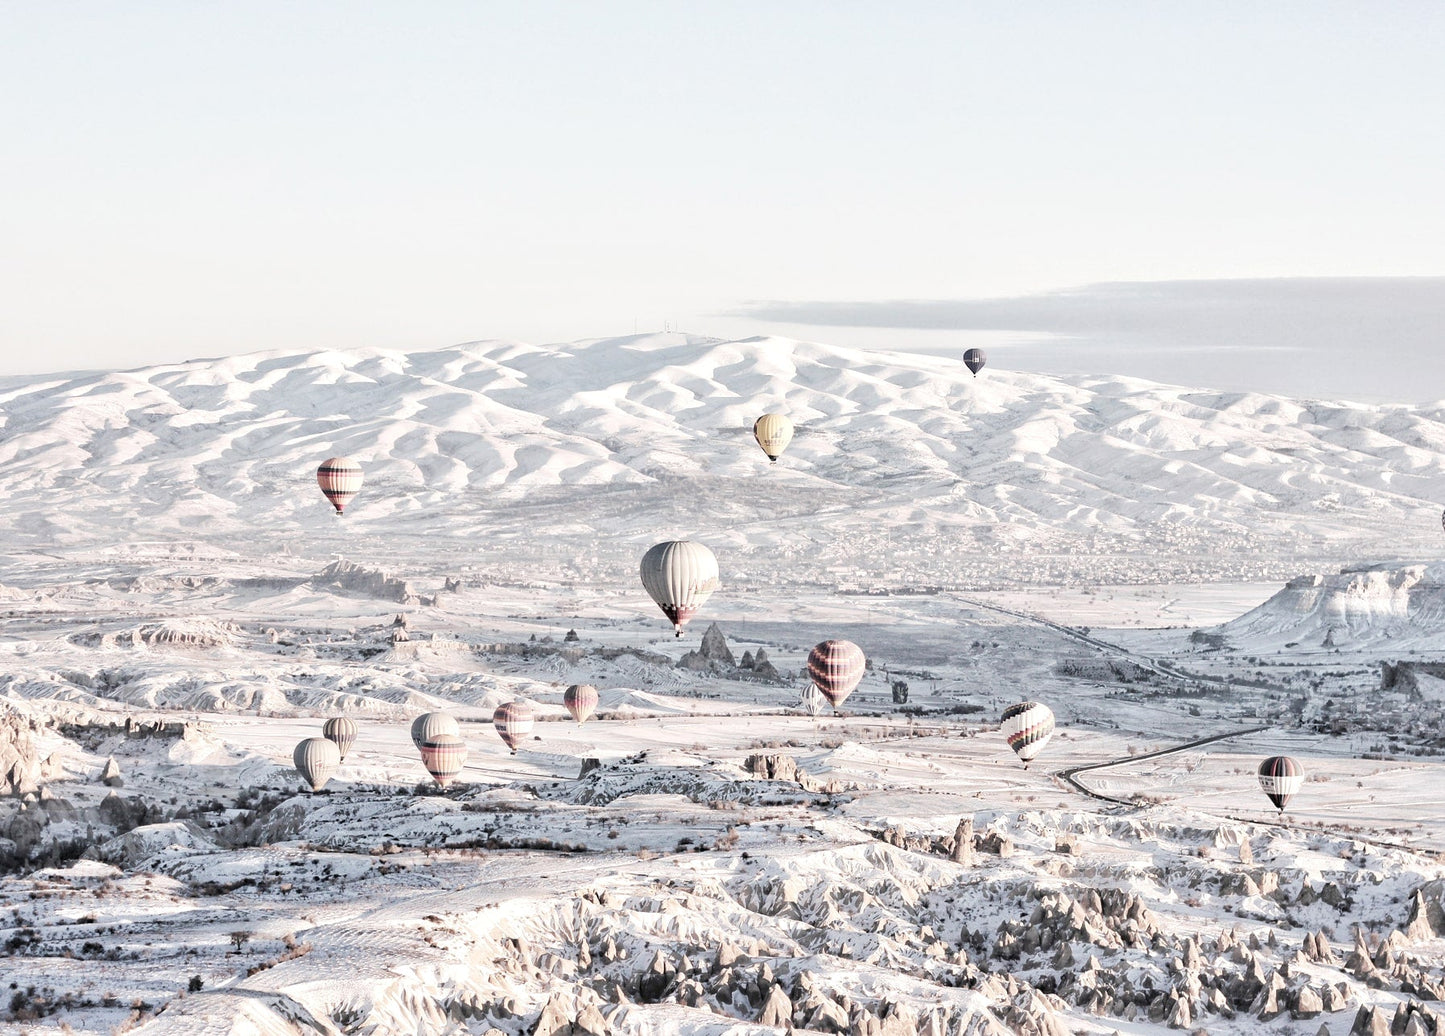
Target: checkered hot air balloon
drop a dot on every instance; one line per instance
(773, 432)
(316, 759)
(580, 699)
(835, 667)
(680, 576)
(444, 756)
(1028, 726)
(1280, 777)
(342, 732)
(974, 359)
(429, 725)
(340, 479)
(513, 721)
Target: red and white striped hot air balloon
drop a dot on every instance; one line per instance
(340, 479)
(580, 699)
(679, 575)
(836, 667)
(1027, 727)
(444, 756)
(513, 721)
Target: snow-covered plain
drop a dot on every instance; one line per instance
(181, 607)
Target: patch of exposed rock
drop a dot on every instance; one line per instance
(350, 578)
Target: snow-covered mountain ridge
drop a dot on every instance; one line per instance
(651, 433)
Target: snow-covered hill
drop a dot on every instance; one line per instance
(600, 445)
(1381, 605)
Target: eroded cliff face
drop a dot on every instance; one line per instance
(1356, 605)
(19, 764)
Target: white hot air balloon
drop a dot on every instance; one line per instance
(429, 725)
(679, 575)
(316, 760)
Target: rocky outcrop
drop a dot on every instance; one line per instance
(347, 577)
(19, 765)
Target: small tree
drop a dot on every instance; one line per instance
(240, 938)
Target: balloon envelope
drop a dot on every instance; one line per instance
(1028, 726)
(342, 731)
(513, 721)
(974, 359)
(773, 432)
(1280, 777)
(429, 725)
(680, 576)
(340, 479)
(443, 756)
(316, 759)
(836, 667)
(580, 699)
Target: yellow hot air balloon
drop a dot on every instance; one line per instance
(773, 432)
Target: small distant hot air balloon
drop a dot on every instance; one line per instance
(679, 575)
(1280, 777)
(429, 725)
(1028, 726)
(974, 359)
(443, 756)
(342, 731)
(316, 759)
(836, 667)
(340, 479)
(580, 699)
(513, 721)
(773, 432)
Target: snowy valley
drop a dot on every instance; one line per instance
(1192, 580)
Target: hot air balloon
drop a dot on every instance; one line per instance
(443, 756)
(679, 575)
(974, 359)
(428, 725)
(773, 432)
(1028, 727)
(513, 721)
(580, 699)
(340, 479)
(316, 760)
(1280, 777)
(835, 667)
(812, 702)
(342, 731)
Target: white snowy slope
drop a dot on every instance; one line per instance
(702, 858)
(896, 455)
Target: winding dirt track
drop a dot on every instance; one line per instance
(1070, 775)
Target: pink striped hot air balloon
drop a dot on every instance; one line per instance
(513, 721)
(444, 756)
(580, 699)
(340, 479)
(836, 667)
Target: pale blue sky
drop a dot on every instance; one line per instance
(188, 179)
